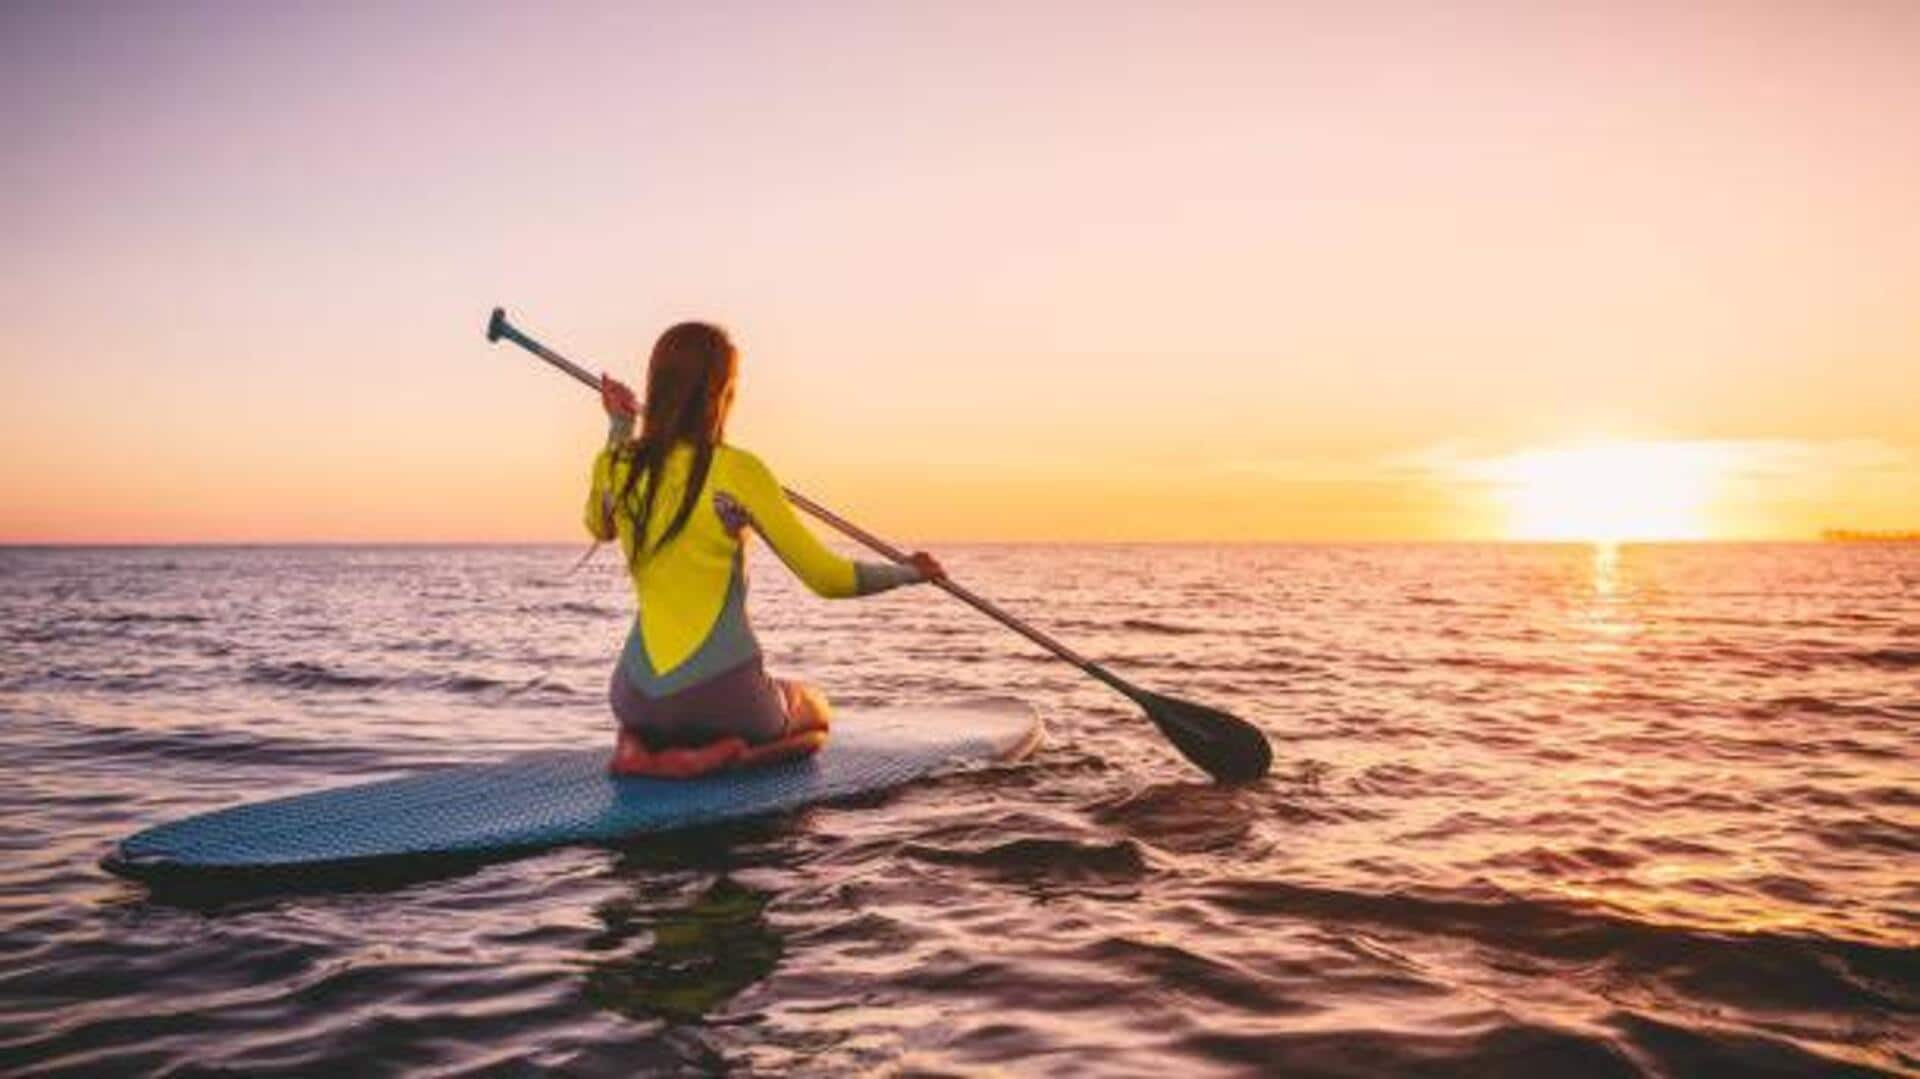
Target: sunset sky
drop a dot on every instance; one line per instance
(1102, 271)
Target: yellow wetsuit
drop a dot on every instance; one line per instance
(691, 669)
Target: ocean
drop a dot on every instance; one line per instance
(1536, 810)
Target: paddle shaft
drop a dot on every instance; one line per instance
(962, 593)
(502, 328)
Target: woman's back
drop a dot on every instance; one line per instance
(681, 501)
(691, 590)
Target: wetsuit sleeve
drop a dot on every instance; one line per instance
(823, 571)
(600, 493)
(880, 576)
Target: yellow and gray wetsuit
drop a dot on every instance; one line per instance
(691, 670)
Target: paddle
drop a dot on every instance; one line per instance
(1227, 748)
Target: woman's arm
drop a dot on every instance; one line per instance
(621, 410)
(600, 496)
(761, 501)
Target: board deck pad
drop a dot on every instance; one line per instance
(558, 797)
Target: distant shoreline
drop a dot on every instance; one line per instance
(1849, 535)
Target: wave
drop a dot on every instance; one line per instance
(1038, 857)
(133, 618)
(1253, 666)
(1872, 833)
(301, 674)
(575, 607)
(1624, 1042)
(1823, 654)
(1148, 625)
(1898, 659)
(1762, 970)
(1803, 703)
(1184, 818)
(208, 742)
(1547, 862)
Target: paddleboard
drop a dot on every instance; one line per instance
(560, 797)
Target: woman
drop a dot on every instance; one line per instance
(689, 691)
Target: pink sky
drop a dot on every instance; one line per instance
(1080, 272)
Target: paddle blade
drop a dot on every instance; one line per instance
(1226, 747)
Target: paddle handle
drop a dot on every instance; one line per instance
(498, 327)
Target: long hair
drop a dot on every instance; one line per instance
(688, 381)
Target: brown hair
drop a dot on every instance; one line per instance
(688, 381)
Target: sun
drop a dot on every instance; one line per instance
(1607, 492)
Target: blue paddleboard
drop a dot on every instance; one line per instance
(550, 799)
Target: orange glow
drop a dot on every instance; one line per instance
(1608, 492)
(983, 288)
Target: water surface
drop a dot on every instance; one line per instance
(1536, 810)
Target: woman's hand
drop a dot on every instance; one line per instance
(929, 566)
(618, 399)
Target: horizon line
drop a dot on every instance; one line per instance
(1728, 541)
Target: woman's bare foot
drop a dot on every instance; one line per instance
(807, 708)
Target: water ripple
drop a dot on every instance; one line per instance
(1534, 812)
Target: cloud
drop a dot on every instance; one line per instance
(1800, 458)
(1729, 459)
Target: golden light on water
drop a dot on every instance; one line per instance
(1608, 492)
